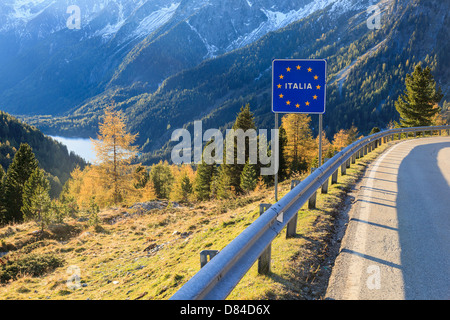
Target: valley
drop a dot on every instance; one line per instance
(161, 86)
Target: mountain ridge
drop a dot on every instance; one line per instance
(213, 89)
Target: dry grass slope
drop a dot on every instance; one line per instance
(140, 254)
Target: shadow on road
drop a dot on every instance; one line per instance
(423, 209)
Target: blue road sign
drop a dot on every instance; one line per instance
(299, 86)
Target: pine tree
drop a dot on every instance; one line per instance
(282, 160)
(418, 105)
(222, 184)
(19, 171)
(36, 200)
(162, 179)
(205, 174)
(245, 121)
(186, 187)
(115, 154)
(182, 188)
(203, 179)
(249, 178)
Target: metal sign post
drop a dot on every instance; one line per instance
(320, 139)
(299, 86)
(276, 158)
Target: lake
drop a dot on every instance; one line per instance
(80, 146)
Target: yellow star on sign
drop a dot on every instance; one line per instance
(316, 77)
(298, 67)
(281, 96)
(297, 105)
(315, 97)
(309, 69)
(281, 77)
(279, 86)
(307, 103)
(318, 87)
(288, 69)
(288, 103)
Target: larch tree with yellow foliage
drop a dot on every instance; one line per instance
(115, 154)
(343, 138)
(300, 147)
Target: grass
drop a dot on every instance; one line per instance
(151, 255)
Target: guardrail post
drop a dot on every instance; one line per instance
(344, 169)
(354, 158)
(312, 200)
(264, 259)
(204, 256)
(325, 187)
(325, 184)
(334, 177)
(291, 229)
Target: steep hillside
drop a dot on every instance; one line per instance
(377, 62)
(366, 68)
(53, 156)
(54, 68)
(150, 250)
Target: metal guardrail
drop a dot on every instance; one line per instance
(222, 273)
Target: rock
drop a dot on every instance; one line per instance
(141, 295)
(185, 234)
(115, 282)
(150, 247)
(85, 234)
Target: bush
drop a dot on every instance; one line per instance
(33, 264)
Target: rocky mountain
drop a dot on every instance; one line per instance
(168, 63)
(53, 68)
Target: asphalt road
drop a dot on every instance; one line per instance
(397, 242)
